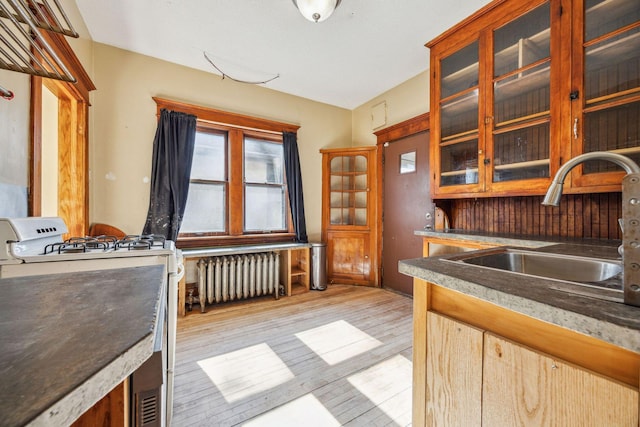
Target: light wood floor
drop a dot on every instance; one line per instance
(338, 357)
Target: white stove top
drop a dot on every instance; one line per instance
(39, 239)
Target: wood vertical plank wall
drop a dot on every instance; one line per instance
(579, 215)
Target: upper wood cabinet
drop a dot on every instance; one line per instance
(605, 91)
(522, 86)
(349, 221)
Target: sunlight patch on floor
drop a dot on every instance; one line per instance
(246, 372)
(338, 341)
(305, 411)
(388, 386)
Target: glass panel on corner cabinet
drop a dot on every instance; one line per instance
(360, 164)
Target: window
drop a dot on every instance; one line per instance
(264, 190)
(237, 190)
(206, 210)
(220, 155)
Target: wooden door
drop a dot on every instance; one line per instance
(407, 202)
(349, 257)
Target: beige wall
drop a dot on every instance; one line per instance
(123, 123)
(407, 100)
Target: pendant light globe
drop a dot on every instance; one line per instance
(316, 10)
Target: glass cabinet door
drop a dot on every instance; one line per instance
(459, 117)
(611, 100)
(348, 190)
(521, 97)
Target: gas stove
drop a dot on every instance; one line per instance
(39, 239)
(34, 246)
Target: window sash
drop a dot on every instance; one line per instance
(238, 223)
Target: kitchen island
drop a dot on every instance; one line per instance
(68, 339)
(494, 348)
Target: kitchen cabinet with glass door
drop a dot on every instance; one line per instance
(491, 103)
(522, 86)
(605, 89)
(348, 215)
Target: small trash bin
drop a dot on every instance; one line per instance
(319, 266)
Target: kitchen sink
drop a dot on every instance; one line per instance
(591, 275)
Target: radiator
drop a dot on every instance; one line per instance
(235, 277)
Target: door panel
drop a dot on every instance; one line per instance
(349, 255)
(406, 204)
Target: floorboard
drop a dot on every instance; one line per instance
(341, 357)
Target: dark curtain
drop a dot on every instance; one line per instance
(172, 157)
(294, 184)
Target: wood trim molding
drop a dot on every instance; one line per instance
(479, 13)
(83, 84)
(73, 120)
(224, 117)
(408, 127)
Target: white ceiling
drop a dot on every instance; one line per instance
(365, 48)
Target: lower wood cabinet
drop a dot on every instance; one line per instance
(477, 378)
(110, 411)
(525, 387)
(454, 372)
(349, 257)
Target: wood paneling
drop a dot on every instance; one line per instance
(579, 215)
(454, 373)
(524, 387)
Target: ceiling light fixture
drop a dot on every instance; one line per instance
(316, 10)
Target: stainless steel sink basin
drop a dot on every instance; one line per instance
(588, 273)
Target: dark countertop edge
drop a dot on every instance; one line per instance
(604, 330)
(72, 406)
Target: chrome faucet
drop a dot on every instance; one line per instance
(630, 223)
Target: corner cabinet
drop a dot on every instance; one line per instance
(522, 86)
(349, 221)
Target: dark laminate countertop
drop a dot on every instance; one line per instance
(612, 322)
(67, 339)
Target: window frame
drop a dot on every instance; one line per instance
(237, 127)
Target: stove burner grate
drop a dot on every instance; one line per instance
(104, 243)
(141, 241)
